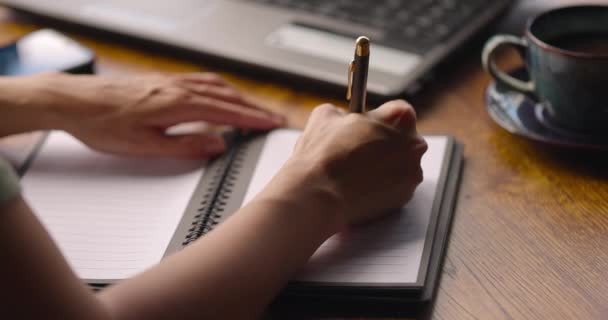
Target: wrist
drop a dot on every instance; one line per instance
(31, 104)
(299, 185)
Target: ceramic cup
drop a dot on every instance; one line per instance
(566, 54)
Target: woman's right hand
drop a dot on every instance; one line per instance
(366, 164)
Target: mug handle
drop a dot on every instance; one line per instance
(487, 60)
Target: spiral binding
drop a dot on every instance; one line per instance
(217, 194)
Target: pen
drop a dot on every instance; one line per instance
(357, 76)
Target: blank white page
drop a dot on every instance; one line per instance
(386, 251)
(110, 216)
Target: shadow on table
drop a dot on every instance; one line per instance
(589, 163)
(327, 309)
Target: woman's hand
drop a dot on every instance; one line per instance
(344, 169)
(130, 115)
(363, 165)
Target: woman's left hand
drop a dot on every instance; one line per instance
(130, 115)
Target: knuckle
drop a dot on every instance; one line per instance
(176, 79)
(353, 118)
(408, 117)
(214, 77)
(203, 89)
(232, 92)
(400, 103)
(181, 97)
(326, 107)
(394, 104)
(418, 175)
(406, 110)
(323, 111)
(420, 145)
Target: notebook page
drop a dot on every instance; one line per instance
(386, 251)
(110, 216)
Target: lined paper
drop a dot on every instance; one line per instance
(110, 216)
(386, 251)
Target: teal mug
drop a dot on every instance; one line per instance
(566, 54)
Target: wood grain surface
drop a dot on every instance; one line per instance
(530, 234)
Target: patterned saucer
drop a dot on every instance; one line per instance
(522, 115)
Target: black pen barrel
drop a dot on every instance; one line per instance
(359, 85)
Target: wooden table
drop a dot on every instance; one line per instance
(530, 234)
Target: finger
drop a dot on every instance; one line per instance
(228, 94)
(185, 146)
(420, 146)
(199, 108)
(325, 111)
(215, 86)
(398, 114)
(202, 77)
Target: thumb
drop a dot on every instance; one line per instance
(397, 114)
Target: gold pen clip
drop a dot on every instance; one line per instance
(349, 88)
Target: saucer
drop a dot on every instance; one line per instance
(523, 115)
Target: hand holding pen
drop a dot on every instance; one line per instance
(357, 82)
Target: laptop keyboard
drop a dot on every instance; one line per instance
(408, 24)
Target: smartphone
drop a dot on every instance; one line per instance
(45, 50)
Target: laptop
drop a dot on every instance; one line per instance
(312, 39)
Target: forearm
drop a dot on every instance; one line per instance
(231, 273)
(21, 107)
(48, 101)
(236, 270)
(37, 281)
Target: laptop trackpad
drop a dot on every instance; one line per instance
(324, 44)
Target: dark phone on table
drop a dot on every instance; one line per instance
(45, 51)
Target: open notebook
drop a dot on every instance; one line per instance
(113, 217)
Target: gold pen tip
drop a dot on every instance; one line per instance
(362, 44)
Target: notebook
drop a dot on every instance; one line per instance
(113, 217)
